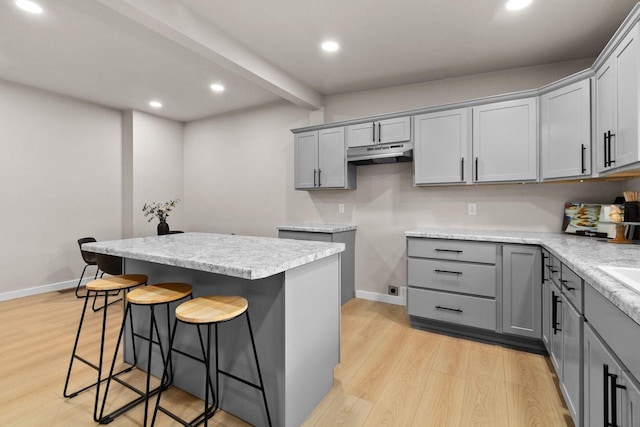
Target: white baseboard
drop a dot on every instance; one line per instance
(5, 296)
(374, 296)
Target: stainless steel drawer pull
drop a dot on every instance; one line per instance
(457, 310)
(459, 273)
(449, 250)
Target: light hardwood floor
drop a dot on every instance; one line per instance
(390, 374)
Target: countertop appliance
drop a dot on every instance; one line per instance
(396, 152)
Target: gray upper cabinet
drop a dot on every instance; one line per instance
(505, 144)
(379, 132)
(521, 291)
(321, 162)
(617, 101)
(442, 148)
(566, 131)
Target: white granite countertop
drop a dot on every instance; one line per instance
(318, 228)
(231, 255)
(582, 254)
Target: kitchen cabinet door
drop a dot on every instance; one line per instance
(521, 292)
(505, 146)
(306, 159)
(441, 148)
(630, 401)
(605, 113)
(599, 363)
(332, 161)
(566, 131)
(546, 303)
(556, 329)
(394, 130)
(571, 359)
(626, 141)
(361, 135)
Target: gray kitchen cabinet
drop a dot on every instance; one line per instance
(442, 148)
(571, 380)
(521, 291)
(325, 234)
(379, 132)
(546, 302)
(505, 146)
(630, 400)
(599, 367)
(321, 161)
(557, 311)
(617, 83)
(565, 139)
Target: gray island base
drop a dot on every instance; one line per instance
(294, 304)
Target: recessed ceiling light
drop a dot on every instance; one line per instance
(517, 4)
(155, 104)
(330, 46)
(29, 6)
(217, 87)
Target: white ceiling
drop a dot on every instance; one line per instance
(123, 53)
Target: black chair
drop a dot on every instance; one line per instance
(89, 259)
(112, 265)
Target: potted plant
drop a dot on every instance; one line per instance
(161, 211)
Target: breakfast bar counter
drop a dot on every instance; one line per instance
(293, 289)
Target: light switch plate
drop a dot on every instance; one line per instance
(341, 208)
(472, 208)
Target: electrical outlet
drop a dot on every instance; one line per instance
(393, 290)
(472, 208)
(341, 208)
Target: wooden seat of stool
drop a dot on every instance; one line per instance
(211, 309)
(116, 283)
(160, 293)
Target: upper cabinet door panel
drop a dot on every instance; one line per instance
(306, 152)
(393, 130)
(441, 147)
(566, 131)
(361, 135)
(605, 113)
(331, 160)
(626, 140)
(505, 141)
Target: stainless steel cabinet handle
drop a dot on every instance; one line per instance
(457, 310)
(448, 272)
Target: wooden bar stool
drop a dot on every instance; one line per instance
(99, 287)
(212, 310)
(148, 296)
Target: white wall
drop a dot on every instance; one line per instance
(156, 175)
(60, 175)
(239, 176)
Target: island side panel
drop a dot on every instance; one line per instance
(312, 335)
(266, 307)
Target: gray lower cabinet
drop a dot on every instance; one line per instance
(555, 338)
(630, 400)
(571, 380)
(347, 260)
(546, 302)
(521, 291)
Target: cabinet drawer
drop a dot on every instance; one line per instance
(572, 287)
(554, 267)
(617, 329)
(452, 308)
(455, 250)
(453, 276)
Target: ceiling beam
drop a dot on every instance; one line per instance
(176, 22)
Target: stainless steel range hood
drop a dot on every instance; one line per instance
(379, 154)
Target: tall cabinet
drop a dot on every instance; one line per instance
(521, 291)
(617, 98)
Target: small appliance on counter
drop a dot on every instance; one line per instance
(616, 222)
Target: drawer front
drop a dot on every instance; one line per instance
(554, 267)
(617, 329)
(572, 287)
(475, 279)
(452, 308)
(305, 235)
(455, 250)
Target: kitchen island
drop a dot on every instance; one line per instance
(293, 289)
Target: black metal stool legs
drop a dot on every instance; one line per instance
(255, 354)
